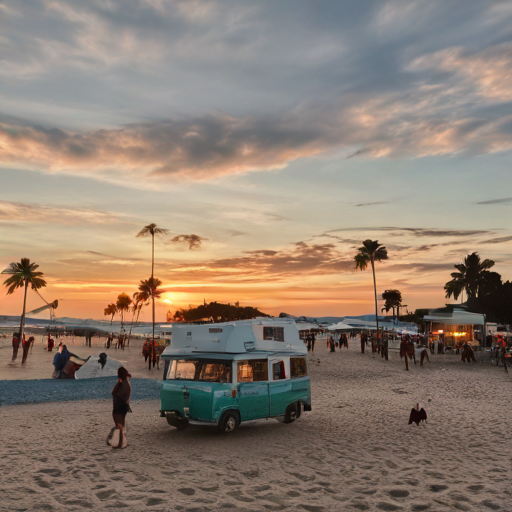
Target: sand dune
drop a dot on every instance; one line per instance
(354, 451)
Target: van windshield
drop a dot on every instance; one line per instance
(201, 370)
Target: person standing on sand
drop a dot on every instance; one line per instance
(404, 352)
(313, 339)
(363, 342)
(26, 346)
(121, 402)
(15, 346)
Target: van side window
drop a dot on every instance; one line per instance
(273, 333)
(278, 371)
(298, 367)
(255, 370)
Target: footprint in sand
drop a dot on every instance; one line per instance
(475, 488)
(438, 487)
(388, 506)
(490, 505)
(188, 491)
(419, 508)
(51, 472)
(398, 493)
(104, 495)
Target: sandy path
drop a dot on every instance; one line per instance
(354, 451)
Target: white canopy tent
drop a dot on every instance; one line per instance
(456, 317)
(341, 326)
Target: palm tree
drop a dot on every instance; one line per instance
(139, 301)
(150, 288)
(370, 252)
(111, 309)
(393, 299)
(123, 304)
(152, 230)
(471, 275)
(22, 274)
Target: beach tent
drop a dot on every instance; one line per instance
(341, 326)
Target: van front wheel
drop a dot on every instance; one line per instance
(229, 421)
(291, 414)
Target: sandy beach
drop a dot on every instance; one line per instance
(354, 451)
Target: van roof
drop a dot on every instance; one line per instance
(244, 336)
(256, 354)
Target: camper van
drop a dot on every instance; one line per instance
(224, 374)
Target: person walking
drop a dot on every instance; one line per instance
(404, 352)
(145, 350)
(15, 346)
(313, 339)
(26, 347)
(363, 342)
(121, 406)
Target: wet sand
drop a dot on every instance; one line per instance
(354, 451)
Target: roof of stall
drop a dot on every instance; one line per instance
(455, 315)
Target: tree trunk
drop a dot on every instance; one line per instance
(153, 340)
(152, 255)
(375, 290)
(22, 319)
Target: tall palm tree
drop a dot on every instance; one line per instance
(370, 252)
(150, 288)
(110, 310)
(471, 274)
(152, 230)
(123, 305)
(22, 274)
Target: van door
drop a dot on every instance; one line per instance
(279, 386)
(252, 389)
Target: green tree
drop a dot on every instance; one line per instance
(123, 305)
(150, 288)
(472, 274)
(370, 252)
(21, 275)
(110, 310)
(392, 300)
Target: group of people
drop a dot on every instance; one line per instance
(310, 339)
(332, 342)
(26, 343)
(409, 350)
(118, 343)
(151, 349)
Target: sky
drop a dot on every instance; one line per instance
(269, 138)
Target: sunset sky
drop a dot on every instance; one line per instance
(281, 134)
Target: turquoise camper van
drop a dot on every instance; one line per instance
(223, 374)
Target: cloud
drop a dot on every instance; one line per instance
(349, 83)
(372, 204)
(499, 240)
(193, 241)
(262, 265)
(488, 70)
(504, 200)
(418, 232)
(39, 213)
(235, 232)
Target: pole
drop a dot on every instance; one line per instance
(22, 320)
(375, 291)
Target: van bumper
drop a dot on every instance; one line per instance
(166, 414)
